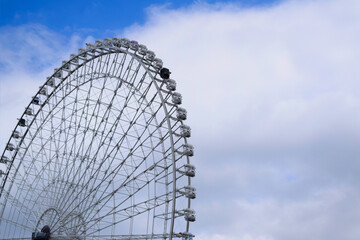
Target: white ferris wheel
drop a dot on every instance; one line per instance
(100, 152)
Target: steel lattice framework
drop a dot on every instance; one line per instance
(100, 152)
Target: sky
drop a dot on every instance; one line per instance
(271, 89)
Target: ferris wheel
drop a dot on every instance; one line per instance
(100, 152)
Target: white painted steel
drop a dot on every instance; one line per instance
(101, 155)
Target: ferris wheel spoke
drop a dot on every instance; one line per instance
(138, 205)
(100, 155)
(67, 125)
(64, 162)
(17, 224)
(121, 65)
(144, 206)
(87, 167)
(126, 102)
(32, 157)
(107, 196)
(25, 186)
(70, 170)
(94, 171)
(113, 66)
(103, 179)
(21, 208)
(130, 72)
(124, 183)
(97, 186)
(131, 216)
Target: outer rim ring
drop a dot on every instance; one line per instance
(104, 50)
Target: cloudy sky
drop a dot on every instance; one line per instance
(271, 88)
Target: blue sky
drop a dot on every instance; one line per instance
(92, 17)
(271, 89)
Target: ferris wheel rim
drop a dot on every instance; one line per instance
(151, 72)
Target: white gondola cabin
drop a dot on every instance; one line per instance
(176, 98)
(116, 42)
(90, 46)
(187, 236)
(142, 49)
(190, 192)
(58, 73)
(16, 134)
(82, 52)
(98, 43)
(50, 82)
(188, 149)
(29, 111)
(125, 43)
(74, 58)
(189, 215)
(66, 66)
(150, 55)
(185, 131)
(134, 45)
(181, 114)
(4, 159)
(171, 85)
(36, 101)
(10, 147)
(158, 63)
(190, 170)
(43, 91)
(107, 42)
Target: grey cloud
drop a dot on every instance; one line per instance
(273, 100)
(272, 96)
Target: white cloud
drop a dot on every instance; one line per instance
(29, 54)
(326, 215)
(273, 101)
(263, 72)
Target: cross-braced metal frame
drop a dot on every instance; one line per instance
(100, 152)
